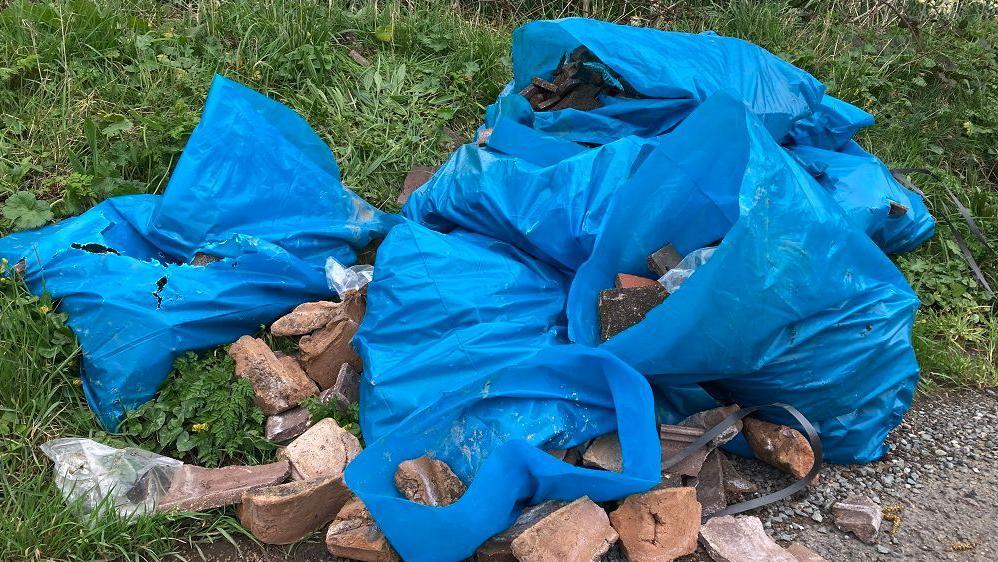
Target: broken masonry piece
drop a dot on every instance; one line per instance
(305, 318)
(578, 83)
(710, 484)
(619, 309)
(708, 419)
(860, 516)
(428, 481)
(664, 259)
(292, 423)
(577, 532)
(354, 535)
(327, 349)
(778, 445)
(658, 526)
(415, 179)
(287, 513)
(675, 438)
(604, 453)
(202, 259)
(278, 383)
(803, 553)
(627, 281)
(345, 392)
(499, 548)
(194, 488)
(325, 449)
(740, 539)
(896, 209)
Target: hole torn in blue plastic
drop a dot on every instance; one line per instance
(94, 248)
(158, 292)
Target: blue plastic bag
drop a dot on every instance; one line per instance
(465, 361)
(254, 187)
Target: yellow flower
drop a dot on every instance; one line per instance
(77, 382)
(199, 427)
(44, 309)
(3, 261)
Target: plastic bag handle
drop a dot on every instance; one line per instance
(810, 433)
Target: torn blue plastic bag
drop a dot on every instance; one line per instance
(797, 303)
(256, 190)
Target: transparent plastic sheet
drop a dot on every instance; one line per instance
(675, 277)
(343, 280)
(131, 481)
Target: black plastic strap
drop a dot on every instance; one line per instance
(901, 175)
(704, 440)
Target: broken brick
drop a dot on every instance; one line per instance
(428, 481)
(415, 179)
(499, 548)
(278, 383)
(305, 318)
(659, 525)
(288, 425)
(325, 449)
(803, 553)
(345, 391)
(355, 535)
(578, 532)
(860, 516)
(675, 438)
(619, 309)
(287, 513)
(627, 281)
(740, 539)
(779, 446)
(604, 453)
(664, 259)
(194, 488)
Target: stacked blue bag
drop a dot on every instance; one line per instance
(481, 343)
(257, 190)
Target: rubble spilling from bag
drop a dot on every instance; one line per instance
(571, 324)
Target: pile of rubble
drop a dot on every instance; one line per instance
(286, 501)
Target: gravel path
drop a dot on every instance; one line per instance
(942, 471)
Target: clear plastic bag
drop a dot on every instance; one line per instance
(345, 279)
(678, 275)
(130, 480)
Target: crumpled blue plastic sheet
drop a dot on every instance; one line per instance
(256, 187)
(724, 142)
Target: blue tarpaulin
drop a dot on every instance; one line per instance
(481, 339)
(256, 187)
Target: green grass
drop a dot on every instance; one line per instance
(97, 99)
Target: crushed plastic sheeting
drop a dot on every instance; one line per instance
(256, 190)
(343, 280)
(480, 341)
(129, 481)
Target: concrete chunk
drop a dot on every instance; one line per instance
(658, 526)
(619, 309)
(287, 513)
(278, 383)
(740, 539)
(324, 450)
(355, 535)
(578, 532)
(779, 446)
(860, 516)
(710, 484)
(428, 481)
(707, 419)
(194, 488)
